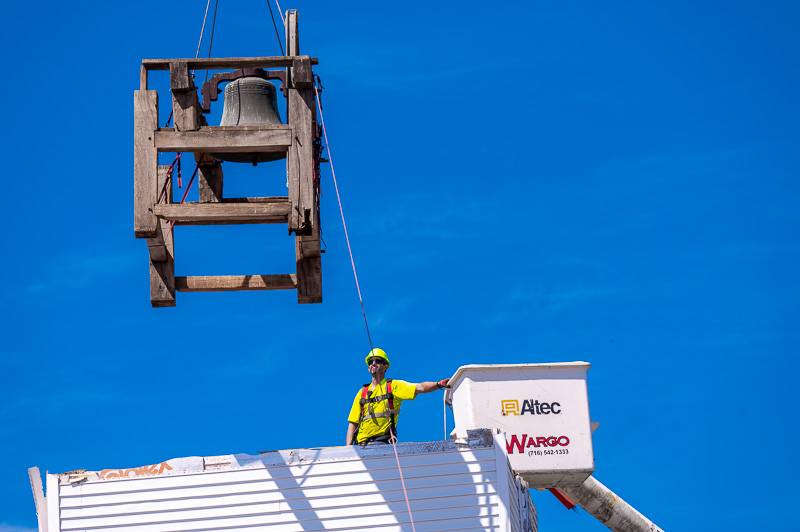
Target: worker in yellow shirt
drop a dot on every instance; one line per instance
(376, 406)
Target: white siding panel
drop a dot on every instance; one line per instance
(354, 499)
(266, 477)
(308, 520)
(272, 492)
(282, 512)
(250, 469)
(450, 487)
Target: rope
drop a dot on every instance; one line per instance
(403, 484)
(444, 416)
(275, 25)
(213, 28)
(202, 30)
(341, 213)
(393, 438)
(168, 178)
(196, 55)
(280, 11)
(189, 186)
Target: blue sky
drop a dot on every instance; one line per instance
(543, 181)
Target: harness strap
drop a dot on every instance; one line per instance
(373, 415)
(376, 399)
(390, 412)
(392, 421)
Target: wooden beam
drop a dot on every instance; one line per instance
(145, 162)
(209, 178)
(272, 212)
(185, 107)
(155, 245)
(300, 159)
(227, 283)
(226, 139)
(263, 199)
(302, 167)
(162, 273)
(162, 254)
(226, 62)
(309, 270)
(180, 79)
(291, 26)
(300, 162)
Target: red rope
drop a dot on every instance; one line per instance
(189, 186)
(168, 177)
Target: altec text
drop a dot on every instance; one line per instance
(510, 407)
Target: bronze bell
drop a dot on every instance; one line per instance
(250, 101)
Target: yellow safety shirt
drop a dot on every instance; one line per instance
(375, 420)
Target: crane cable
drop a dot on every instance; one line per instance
(393, 437)
(177, 160)
(333, 174)
(202, 30)
(341, 214)
(275, 25)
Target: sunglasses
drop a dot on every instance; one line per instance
(378, 361)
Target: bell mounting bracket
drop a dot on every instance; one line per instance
(211, 87)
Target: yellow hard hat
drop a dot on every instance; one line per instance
(376, 353)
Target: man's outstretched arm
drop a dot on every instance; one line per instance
(427, 386)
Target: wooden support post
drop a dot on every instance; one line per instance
(209, 178)
(155, 245)
(309, 270)
(300, 159)
(145, 162)
(162, 272)
(185, 107)
(302, 167)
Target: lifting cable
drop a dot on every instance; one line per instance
(393, 437)
(341, 214)
(202, 29)
(275, 25)
(177, 160)
(213, 27)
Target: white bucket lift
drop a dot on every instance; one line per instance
(543, 410)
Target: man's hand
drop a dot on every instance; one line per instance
(429, 386)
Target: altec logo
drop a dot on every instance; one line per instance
(510, 407)
(519, 443)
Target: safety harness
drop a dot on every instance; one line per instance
(389, 412)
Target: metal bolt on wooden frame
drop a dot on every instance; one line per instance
(155, 214)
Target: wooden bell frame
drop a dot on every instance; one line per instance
(155, 214)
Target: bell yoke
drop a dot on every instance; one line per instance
(376, 406)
